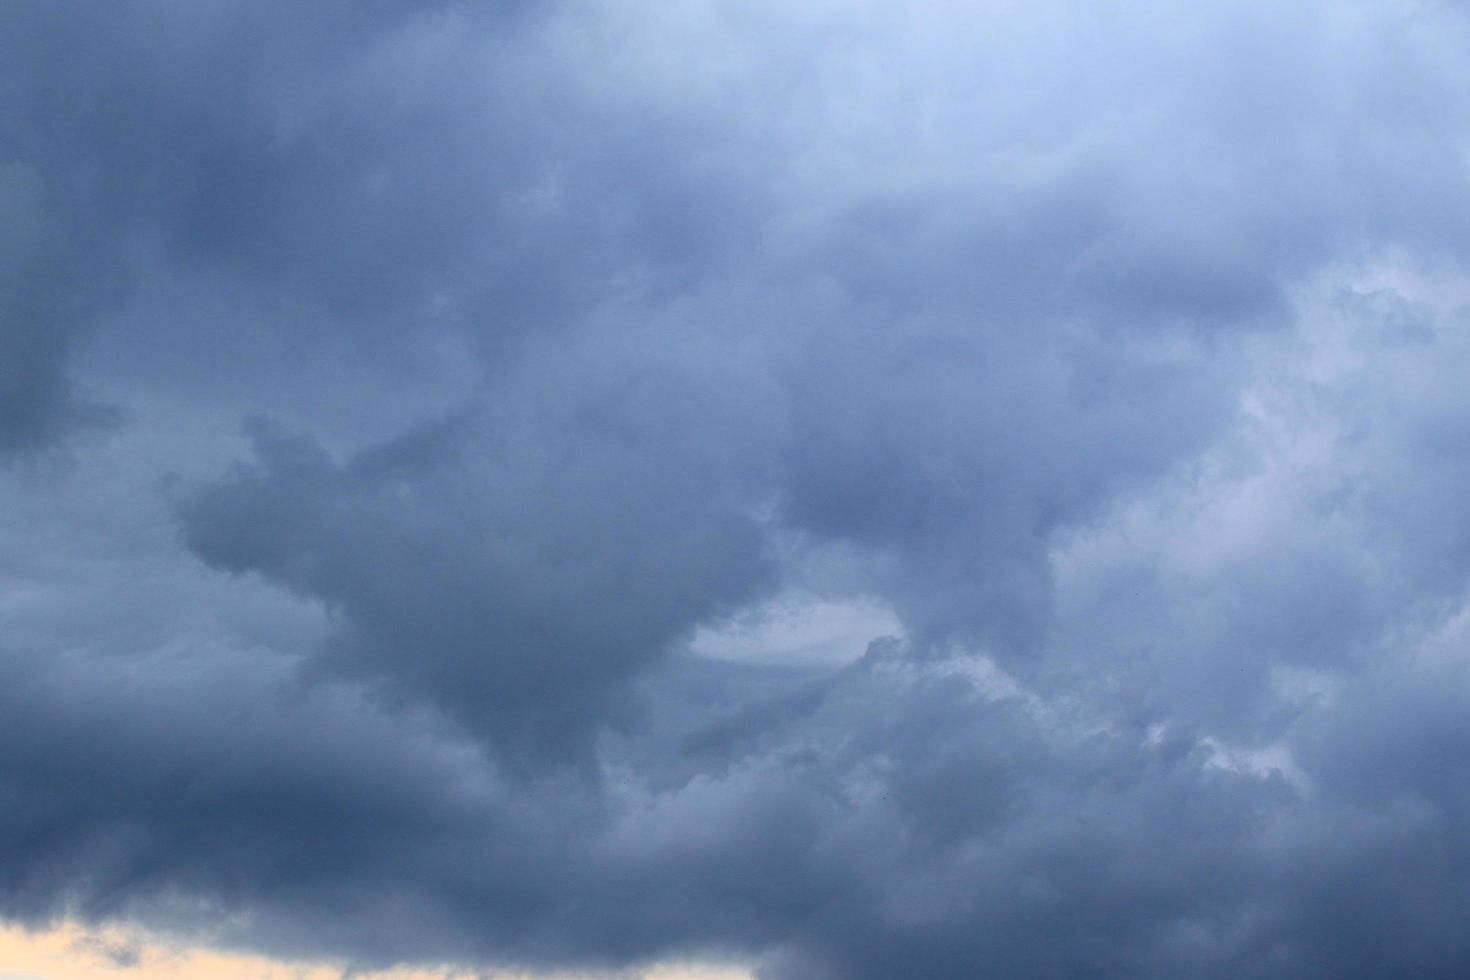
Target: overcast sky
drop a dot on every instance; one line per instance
(840, 490)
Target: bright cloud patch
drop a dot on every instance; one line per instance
(799, 629)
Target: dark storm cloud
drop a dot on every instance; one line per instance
(395, 165)
(907, 824)
(1118, 352)
(512, 582)
(51, 285)
(121, 120)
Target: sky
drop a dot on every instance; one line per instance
(822, 491)
(73, 952)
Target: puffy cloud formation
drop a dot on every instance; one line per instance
(422, 425)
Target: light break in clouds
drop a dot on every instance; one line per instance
(834, 490)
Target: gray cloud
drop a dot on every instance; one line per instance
(1116, 352)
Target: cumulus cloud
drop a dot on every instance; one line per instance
(507, 401)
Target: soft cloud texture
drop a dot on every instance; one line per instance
(410, 413)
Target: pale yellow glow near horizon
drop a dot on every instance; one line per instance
(70, 952)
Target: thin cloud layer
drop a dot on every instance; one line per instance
(467, 368)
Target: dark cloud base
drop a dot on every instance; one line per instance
(1118, 352)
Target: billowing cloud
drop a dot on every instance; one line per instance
(854, 491)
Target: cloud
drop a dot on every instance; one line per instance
(118, 953)
(505, 398)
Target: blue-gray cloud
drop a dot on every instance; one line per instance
(1117, 352)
